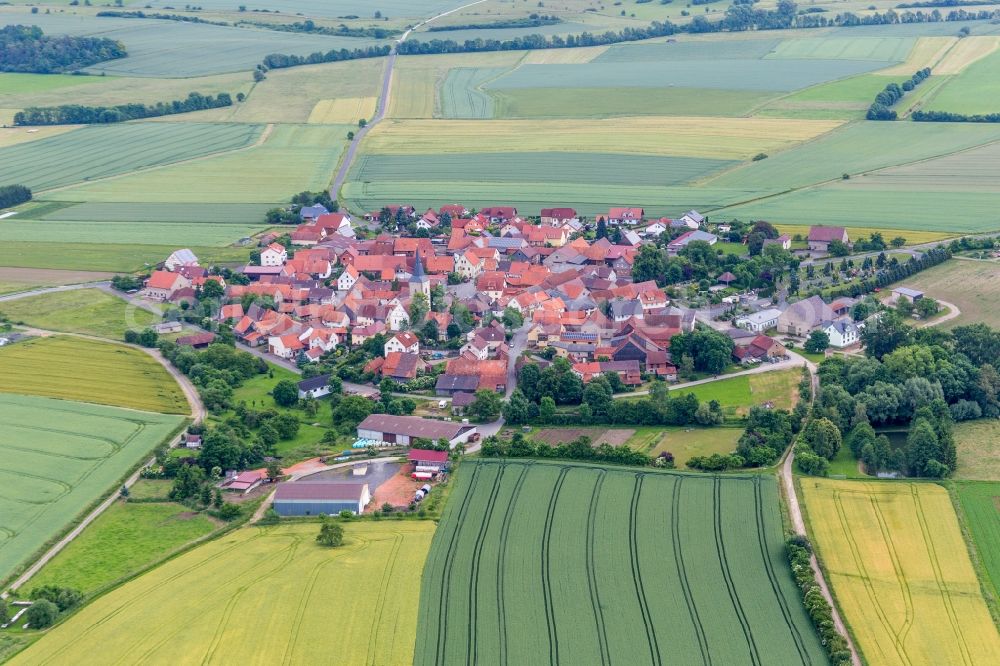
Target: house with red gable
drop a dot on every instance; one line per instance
(285, 346)
(164, 285)
(557, 217)
(403, 341)
(273, 255)
(619, 216)
(499, 214)
(820, 237)
(456, 211)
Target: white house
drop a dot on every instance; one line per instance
(397, 317)
(180, 258)
(162, 285)
(274, 254)
(784, 241)
(759, 322)
(285, 346)
(842, 333)
(314, 387)
(655, 229)
(404, 341)
(693, 219)
(346, 280)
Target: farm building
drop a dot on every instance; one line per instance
(196, 341)
(759, 321)
(403, 429)
(820, 237)
(314, 387)
(314, 499)
(907, 294)
(427, 464)
(244, 482)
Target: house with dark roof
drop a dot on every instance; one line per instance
(314, 387)
(454, 384)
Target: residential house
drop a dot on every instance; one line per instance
(274, 254)
(347, 279)
(163, 285)
(805, 316)
(758, 349)
(401, 366)
(842, 332)
(682, 241)
(285, 346)
(656, 228)
(404, 341)
(784, 241)
(619, 216)
(693, 219)
(557, 217)
(820, 237)
(314, 387)
(310, 213)
(499, 214)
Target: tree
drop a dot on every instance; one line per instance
(212, 289)
(41, 614)
(922, 448)
(419, 307)
(884, 334)
(898, 242)
(817, 343)
(823, 437)
(602, 229)
(4, 612)
(512, 318)
(331, 535)
(597, 395)
(927, 307)
(486, 406)
(838, 248)
(429, 331)
(517, 410)
(285, 393)
(649, 264)
(217, 501)
(351, 411)
(273, 470)
(546, 409)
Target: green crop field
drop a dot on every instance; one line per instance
(978, 452)
(686, 443)
(900, 571)
(88, 311)
(980, 503)
(128, 233)
(28, 84)
(975, 90)
(462, 95)
(90, 371)
(121, 258)
(106, 150)
(609, 102)
(261, 595)
(564, 563)
(221, 214)
(689, 49)
(886, 49)
(125, 538)
(58, 458)
(293, 158)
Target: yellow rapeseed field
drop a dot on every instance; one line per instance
(343, 110)
(260, 596)
(901, 572)
(721, 138)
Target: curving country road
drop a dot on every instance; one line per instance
(383, 102)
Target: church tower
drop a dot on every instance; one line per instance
(419, 280)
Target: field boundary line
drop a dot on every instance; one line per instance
(865, 578)
(640, 591)
(727, 575)
(265, 133)
(675, 530)
(501, 562)
(471, 652)
(595, 594)
(550, 611)
(442, 628)
(942, 585)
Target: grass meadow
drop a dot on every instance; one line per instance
(900, 571)
(100, 151)
(738, 394)
(58, 458)
(125, 538)
(686, 443)
(975, 90)
(980, 502)
(90, 371)
(972, 285)
(87, 311)
(978, 452)
(261, 594)
(90, 256)
(568, 563)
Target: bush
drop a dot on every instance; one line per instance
(41, 614)
(12, 195)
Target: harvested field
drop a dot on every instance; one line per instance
(175, 614)
(345, 110)
(901, 572)
(87, 311)
(729, 138)
(557, 436)
(586, 565)
(58, 458)
(24, 279)
(974, 286)
(98, 151)
(11, 136)
(966, 52)
(927, 52)
(101, 372)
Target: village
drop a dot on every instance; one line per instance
(452, 303)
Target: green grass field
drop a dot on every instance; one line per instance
(980, 503)
(90, 371)
(104, 257)
(293, 158)
(607, 102)
(738, 394)
(28, 84)
(58, 458)
(125, 538)
(100, 151)
(88, 311)
(975, 90)
(978, 450)
(686, 443)
(887, 49)
(900, 571)
(96, 230)
(206, 213)
(576, 564)
(261, 594)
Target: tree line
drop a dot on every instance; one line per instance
(76, 114)
(282, 60)
(581, 448)
(799, 552)
(890, 272)
(948, 117)
(27, 49)
(881, 108)
(530, 21)
(13, 195)
(307, 26)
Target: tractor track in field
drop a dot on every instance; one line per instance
(595, 594)
(502, 559)
(734, 598)
(550, 612)
(471, 654)
(866, 580)
(675, 533)
(640, 591)
(300, 610)
(897, 568)
(442, 626)
(383, 594)
(946, 599)
(782, 602)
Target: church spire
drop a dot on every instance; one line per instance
(418, 269)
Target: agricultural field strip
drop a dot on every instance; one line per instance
(462, 93)
(48, 482)
(869, 566)
(979, 505)
(974, 90)
(479, 497)
(101, 151)
(377, 625)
